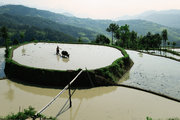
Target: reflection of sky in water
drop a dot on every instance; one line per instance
(43, 55)
(154, 73)
(2, 63)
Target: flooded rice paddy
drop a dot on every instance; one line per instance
(162, 53)
(2, 62)
(176, 49)
(101, 103)
(43, 55)
(149, 72)
(154, 73)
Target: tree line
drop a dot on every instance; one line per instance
(130, 39)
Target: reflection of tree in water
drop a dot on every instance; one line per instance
(10, 93)
(73, 117)
(58, 57)
(125, 77)
(79, 94)
(65, 60)
(67, 106)
(23, 51)
(140, 54)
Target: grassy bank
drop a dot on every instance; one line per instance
(108, 75)
(29, 113)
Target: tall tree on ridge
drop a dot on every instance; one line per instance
(4, 35)
(112, 28)
(133, 37)
(164, 37)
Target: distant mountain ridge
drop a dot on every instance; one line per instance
(89, 28)
(168, 18)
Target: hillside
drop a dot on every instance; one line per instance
(30, 32)
(98, 26)
(142, 27)
(24, 15)
(19, 10)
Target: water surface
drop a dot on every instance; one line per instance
(102, 103)
(154, 73)
(43, 55)
(2, 62)
(163, 53)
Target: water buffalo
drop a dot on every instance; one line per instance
(65, 54)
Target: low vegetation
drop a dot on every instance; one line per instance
(26, 114)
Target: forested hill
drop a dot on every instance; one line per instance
(12, 15)
(98, 26)
(31, 33)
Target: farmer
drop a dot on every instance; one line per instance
(57, 50)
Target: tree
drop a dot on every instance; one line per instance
(133, 37)
(148, 40)
(112, 28)
(21, 37)
(164, 36)
(4, 35)
(125, 34)
(173, 44)
(79, 40)
(102, 39)
(168, 44)
(15, 42)
(156, 40)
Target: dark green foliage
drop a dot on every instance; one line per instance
(133, 39)
(173, 44)
(22, 115)
(4, 35)
(113, 27)
(15, 41)
(164, 36)
(148, 118)
(127, 39)
(24, 22)
(27, 113)
(22, 33)
(123, 35)
(102, 39)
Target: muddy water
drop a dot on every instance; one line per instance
(102, 103)
(149, 72)
(154, 73)
(2, 62)
(43, 55)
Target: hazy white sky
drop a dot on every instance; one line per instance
(99, 9)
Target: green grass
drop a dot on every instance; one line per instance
(27, 113)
